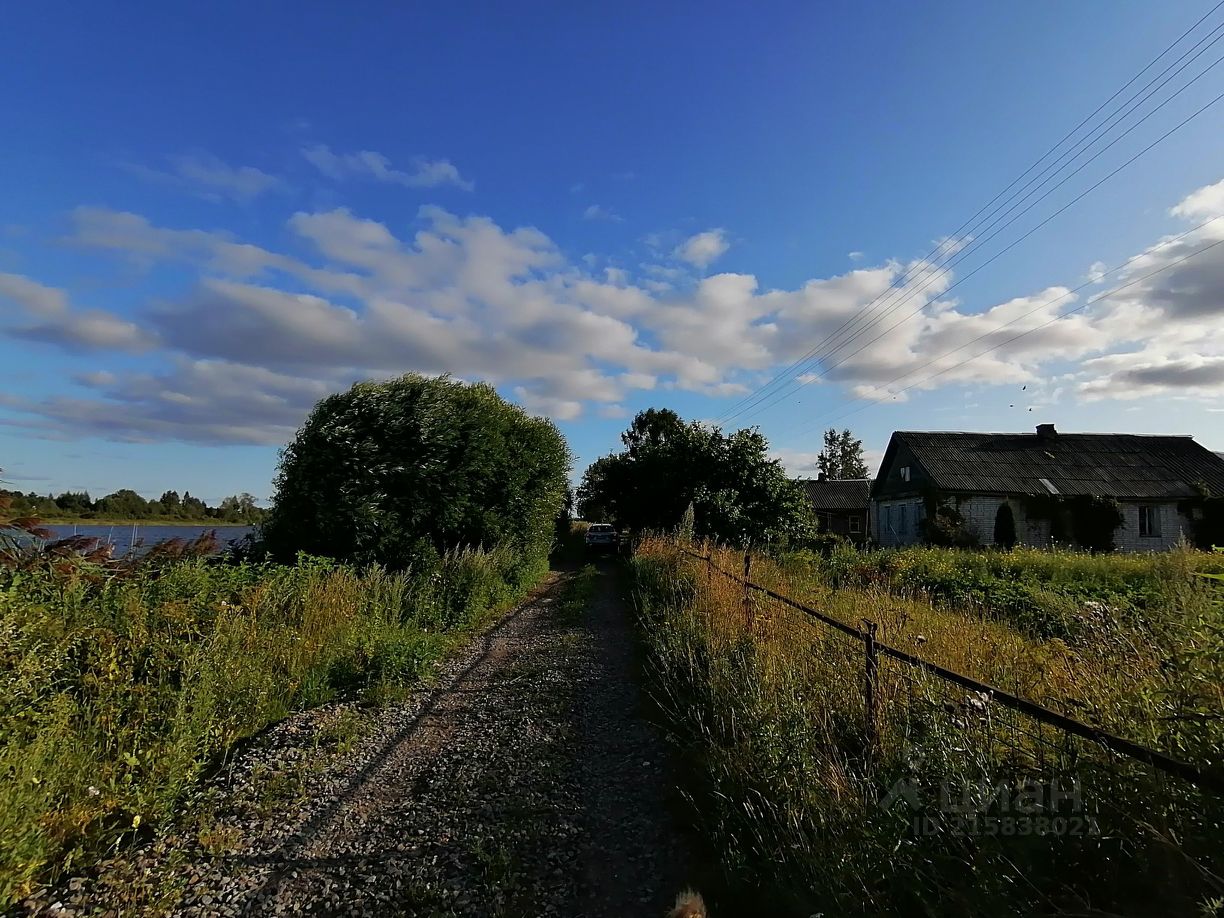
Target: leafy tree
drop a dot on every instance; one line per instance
(74, 502)
(124, 504)
(1005, 527)
(171, 503)
(842, 456)
(193, 507)
(387, 472)
(736, 492)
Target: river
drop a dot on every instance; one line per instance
(123, 537)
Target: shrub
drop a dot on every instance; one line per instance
(399, 472)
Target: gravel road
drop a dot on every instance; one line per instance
(525, 782)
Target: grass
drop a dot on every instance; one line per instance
(792, 785)
(118, 692)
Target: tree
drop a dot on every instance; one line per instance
(842, 456)
(390, 472)
(124, 504)
(737, 493)
(1005, 527)
(74, 502)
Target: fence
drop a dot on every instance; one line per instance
(888, 670)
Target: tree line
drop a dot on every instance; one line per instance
(126, 504)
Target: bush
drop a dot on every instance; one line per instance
(400, 472)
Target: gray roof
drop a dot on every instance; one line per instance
(1108, 465)
(840, 494)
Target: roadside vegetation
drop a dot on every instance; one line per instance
(408, 513)
(793, 788)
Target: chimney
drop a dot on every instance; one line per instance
(1046, 432)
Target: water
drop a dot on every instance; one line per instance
(123, 537)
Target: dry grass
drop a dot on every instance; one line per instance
(787, 774)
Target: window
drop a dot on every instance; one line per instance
(1149, 521)
(856, 524)
(905, 473)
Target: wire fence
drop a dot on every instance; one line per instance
(984, 773)
(891, 677)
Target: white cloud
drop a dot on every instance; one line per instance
(1206, 202)
(425, 173)
(703, 249)
(350, 299)
(599, 212)
(210, 177)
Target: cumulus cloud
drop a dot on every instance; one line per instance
(703, 249)
(350, 299)
(366, 164)
(57, 323)
(599, 212)
(210, 177)
(1207, 201)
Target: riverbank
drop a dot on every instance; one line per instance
(160, 521)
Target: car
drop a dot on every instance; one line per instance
(601, 537)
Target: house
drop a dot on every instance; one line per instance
(840, 505)
(1044, 487)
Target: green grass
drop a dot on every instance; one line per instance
(786, 778)
(118, 693)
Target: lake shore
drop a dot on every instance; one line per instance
(207, 524)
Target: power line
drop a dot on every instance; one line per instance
(783, 376)
(1023, 334)
(1027, 234)
(1034, 229)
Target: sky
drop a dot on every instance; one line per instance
(758, 215)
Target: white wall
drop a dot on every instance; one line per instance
(979, 513)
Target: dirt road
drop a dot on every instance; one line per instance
(526, 782)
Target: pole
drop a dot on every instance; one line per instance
(747, 590)
(871, 686)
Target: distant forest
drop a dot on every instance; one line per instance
(126, 504)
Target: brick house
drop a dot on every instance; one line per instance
(1041, 481)
(840, 505)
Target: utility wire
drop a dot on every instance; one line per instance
(870, 403)
(747, 401)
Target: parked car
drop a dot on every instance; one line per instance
(601, 537)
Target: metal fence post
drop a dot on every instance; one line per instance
(747, 596)
(871, 686)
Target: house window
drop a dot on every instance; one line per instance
(1149, 521)
(905, 473)
(856, 524)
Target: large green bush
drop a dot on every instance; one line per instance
(399, 471)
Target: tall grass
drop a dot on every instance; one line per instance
(791, 780)
(117, 692)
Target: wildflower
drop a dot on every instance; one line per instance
(93, 791)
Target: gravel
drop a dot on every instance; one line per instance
(526, 782)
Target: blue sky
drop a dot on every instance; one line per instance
(214, 216)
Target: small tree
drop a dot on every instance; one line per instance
(842, 456)
(1005, 526)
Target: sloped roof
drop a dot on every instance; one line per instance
(842, 494)
(1108, 465)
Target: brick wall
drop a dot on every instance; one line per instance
(979, 513)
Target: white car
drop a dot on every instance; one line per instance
(601, 537)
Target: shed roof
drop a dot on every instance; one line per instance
(1108, 465)
(837, 494)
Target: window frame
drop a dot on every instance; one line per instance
(855, 523)
(1149, 521)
